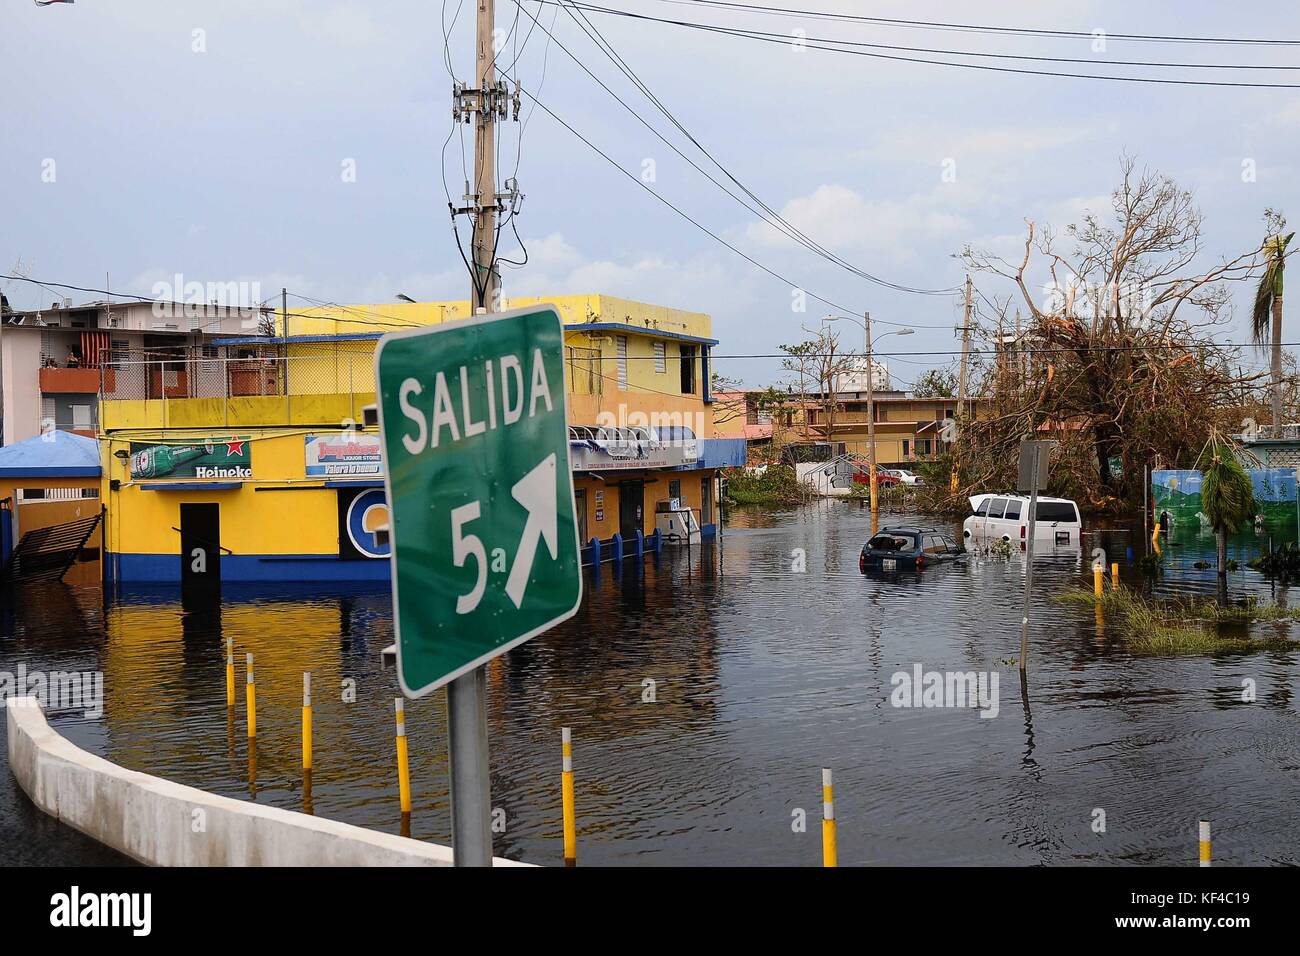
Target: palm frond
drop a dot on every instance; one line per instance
(1269, 288)
(1261, 316)
(1227, 493)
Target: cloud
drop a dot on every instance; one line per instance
(985, 145)
(842, 219)
(344, 24)
(556, 267)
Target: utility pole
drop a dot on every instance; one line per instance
(965, 353)
(485, 296)
(871, 419)
(284, 338)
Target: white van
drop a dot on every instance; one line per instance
(1006, 518)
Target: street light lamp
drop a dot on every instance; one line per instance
(871, 397)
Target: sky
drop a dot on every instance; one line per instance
(300, 144)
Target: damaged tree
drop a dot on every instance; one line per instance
(1116, 357)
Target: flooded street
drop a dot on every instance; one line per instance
(767, 665)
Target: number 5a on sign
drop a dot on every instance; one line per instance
(485, 552)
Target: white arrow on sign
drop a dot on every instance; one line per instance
(536, 492)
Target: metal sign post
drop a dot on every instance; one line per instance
(1035, 459)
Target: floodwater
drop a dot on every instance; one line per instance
(706, 690)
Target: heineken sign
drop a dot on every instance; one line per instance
(210, 458)
(484, 540)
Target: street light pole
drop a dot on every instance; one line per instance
(871, 400)
(871, 417)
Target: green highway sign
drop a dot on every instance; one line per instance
(474, 423)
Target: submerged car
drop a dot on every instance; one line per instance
(908, 549)
(1006, 517)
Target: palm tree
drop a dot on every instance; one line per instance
(1227, 499)
(1268, 313)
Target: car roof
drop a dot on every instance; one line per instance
(977, 500)
(906, 531)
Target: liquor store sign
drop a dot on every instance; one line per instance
(207, 458)
(343, 455)
(472, 416)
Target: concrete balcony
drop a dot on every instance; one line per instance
(83, 381)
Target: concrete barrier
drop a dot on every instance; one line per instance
(166, 824)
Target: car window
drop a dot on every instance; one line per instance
(1056, 511)
(983, 510)
(892, 542)
(950, 543)
(1013, 510)
(996, 506)
(934, 544)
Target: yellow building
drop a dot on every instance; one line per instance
(257, 458)
(908, 429)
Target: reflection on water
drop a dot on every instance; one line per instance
(762, 674)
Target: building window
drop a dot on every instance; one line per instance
(688, 369)
(675, 488)
(706, 501)
(621, 343)
(906, 445)
(661, 358)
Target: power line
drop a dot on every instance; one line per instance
(768, 214)
(261, 308)
(921, 49)
(694, 222)
(876, 352)
(982, 28)
(816, 44)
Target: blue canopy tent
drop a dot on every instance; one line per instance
(43, 461)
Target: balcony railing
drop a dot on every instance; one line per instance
(339, 370)
(79, 381)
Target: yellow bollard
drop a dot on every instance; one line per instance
(828, 820)
(1096, 581)
(230, 673)
(1205, 843)
(403, 768)
(1114, 574)
(566, 790)
(306, 720)
(250, 699)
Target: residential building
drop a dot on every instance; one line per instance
(51, 359)
(739, 414)
(909, 429)
(855, 380)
